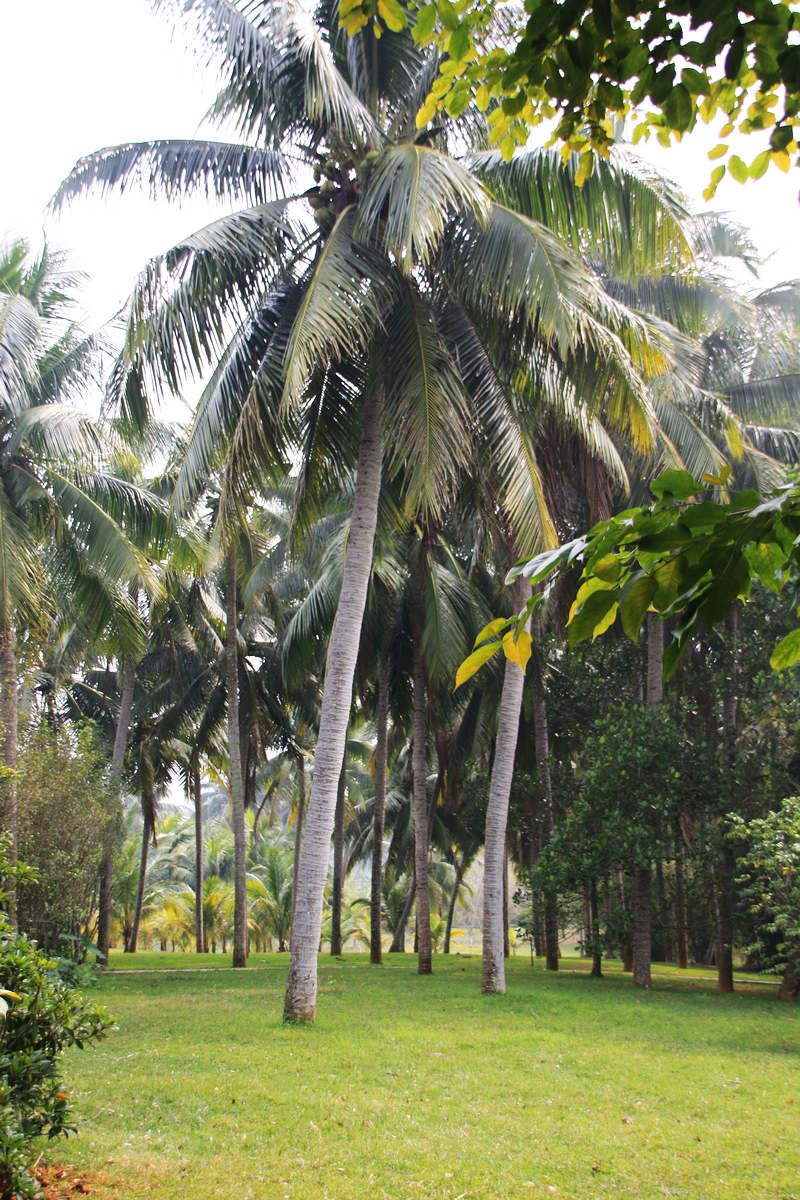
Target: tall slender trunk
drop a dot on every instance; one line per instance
(451, 907)
(594, 915)
(8, 715)
(105, 907)
(381, 759)
(493, 978)
(681, 915)
(541, 735)
(724, 877)
(419, 771)
(641, 927)
(137, 912)
(506, 937)
(199, 860)
(301, 992)
(338, 868)
(655, 660)
(642, 882)
(298, 832)
(627, 939)
(235, 764)
(398, 945)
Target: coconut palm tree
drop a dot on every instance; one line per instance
(74, 538)
(344, 332)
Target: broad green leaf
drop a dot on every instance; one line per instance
(591, 616)
(787, 652)
(587, 589)
(676, 483)
(634, 604)
(393, 15)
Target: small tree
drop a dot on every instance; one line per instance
(64, 813)
(771, 879)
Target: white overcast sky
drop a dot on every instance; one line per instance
(81, 74)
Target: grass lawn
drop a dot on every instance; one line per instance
(413, 1088)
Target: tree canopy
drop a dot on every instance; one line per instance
(586, 64)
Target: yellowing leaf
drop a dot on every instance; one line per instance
(426, 113)
(719, 151)
(605, 623)
(475, 661)
(482, 97)
(490, 630)
(354, 21)
(393, 15)
(519, 650)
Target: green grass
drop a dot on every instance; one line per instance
(413, 1088)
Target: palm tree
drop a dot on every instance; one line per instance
(73, 538)
(366, 320)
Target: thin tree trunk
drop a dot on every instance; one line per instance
(655, 660)
(137, 912)
(235, 765)
(725, 877)
(8, 714)
(301, 992)
(625, 905)
(541, 736)
(105, 906)
(681, 916)
(506, 938)
(298, 831)
(381, 759)
(398, 945)
(419, 771)
(338, 869)
(642, 882)
(641, 927)
(451, 907)
(495, 922)
(594, 913)
(199, 860)
(722, 876)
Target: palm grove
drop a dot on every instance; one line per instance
(419, 362)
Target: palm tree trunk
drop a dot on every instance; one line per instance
(8, 715)
(506, 936)
(235, 756)
(451, 908)
(199, 860)
(419, 771)
(105, 906)
(381, 758)
(399, 937)
(493, 979)
(301, 993)
(541, 735)
(298, 831)
(137, 912)
(338, 869)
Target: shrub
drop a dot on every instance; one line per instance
(40, 1017)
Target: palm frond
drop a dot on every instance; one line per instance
(345, 296)
(418, 189)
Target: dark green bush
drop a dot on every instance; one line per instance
(40, 1017)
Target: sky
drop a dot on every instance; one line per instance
(81, 74)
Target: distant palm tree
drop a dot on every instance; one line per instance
(73, 536)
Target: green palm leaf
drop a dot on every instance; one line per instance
(419, 189)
